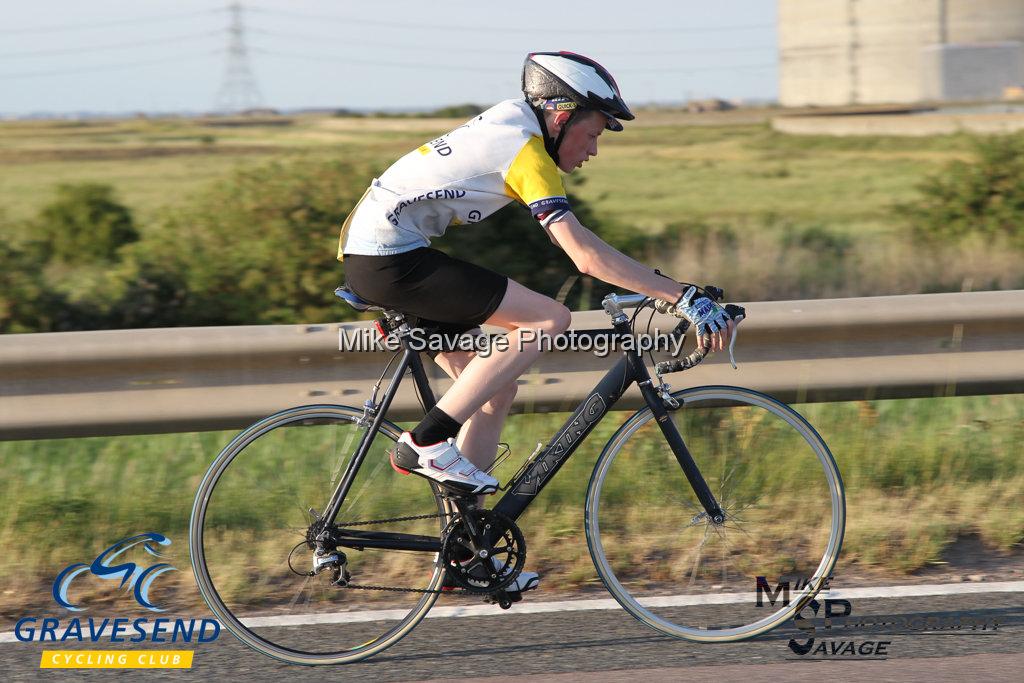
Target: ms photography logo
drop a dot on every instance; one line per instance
(137, 579)
(134, 577)
(837, 618)
(830, 648)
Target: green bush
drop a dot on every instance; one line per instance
(84, 224)
(24, 305)
(456, 111)
(982, 197)
(60, 274)
(258, 247)
(255, 248)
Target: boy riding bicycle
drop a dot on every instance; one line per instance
(512, 151)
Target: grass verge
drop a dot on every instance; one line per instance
(919, 474)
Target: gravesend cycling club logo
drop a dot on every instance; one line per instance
(124, 567)
(134, 577)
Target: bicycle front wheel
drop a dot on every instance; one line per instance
(676, 570)
(248, 539)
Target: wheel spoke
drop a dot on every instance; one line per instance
(374, 477)
(344, 451)
(697, 558)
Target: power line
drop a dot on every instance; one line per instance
(488, 69)
(376, 62)
(503, 29)
(239, 89)
(108, 67)
(700, 69)
(114, 22)
(491, 51)
(111, 46)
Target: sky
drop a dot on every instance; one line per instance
(66, 56)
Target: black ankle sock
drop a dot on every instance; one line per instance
(435, 427)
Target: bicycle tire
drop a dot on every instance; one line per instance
(283, 646)
(705, 613)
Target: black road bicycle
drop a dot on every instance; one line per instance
(310, 548)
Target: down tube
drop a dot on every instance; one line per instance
(526, 487)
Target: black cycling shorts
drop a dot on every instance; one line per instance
(446, 295)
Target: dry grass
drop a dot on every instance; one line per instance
(789, 263)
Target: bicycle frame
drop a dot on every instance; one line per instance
(528, 484)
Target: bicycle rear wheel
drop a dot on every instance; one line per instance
(249, 530)
(672, 567)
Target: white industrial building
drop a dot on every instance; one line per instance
(839, 52)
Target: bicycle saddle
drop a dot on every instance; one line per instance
(354, 300)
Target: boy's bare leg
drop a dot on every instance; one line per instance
(484, 376)
(478, 438)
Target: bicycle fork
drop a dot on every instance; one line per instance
(681, 452)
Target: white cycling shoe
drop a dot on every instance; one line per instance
(443, 463)
(526, 581)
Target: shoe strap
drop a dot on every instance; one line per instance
(446, 459)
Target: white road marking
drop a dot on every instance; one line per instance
(608, 603)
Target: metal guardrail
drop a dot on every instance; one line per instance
(189, 379)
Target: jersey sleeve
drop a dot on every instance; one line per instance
(533, 180)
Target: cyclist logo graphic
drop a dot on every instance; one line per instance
(132, 576)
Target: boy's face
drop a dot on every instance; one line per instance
(580, 141)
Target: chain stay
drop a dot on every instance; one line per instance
(394, 589)
(399, 589)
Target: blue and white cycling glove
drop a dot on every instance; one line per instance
(706, 315)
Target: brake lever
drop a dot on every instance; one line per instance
(732, 340)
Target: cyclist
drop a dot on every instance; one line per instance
(512, 151)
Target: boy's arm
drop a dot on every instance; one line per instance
(595, 257)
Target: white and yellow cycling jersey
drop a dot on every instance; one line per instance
(461, 177)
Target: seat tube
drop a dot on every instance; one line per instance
(679, 449)
(334, 506)
(419, 376)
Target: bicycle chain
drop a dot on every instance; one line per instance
(395, 589)
(395, 519)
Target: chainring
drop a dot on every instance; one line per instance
(488, 560)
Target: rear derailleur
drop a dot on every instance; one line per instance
(326, 555)
(334, 562)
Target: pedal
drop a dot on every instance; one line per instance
(459, 499)
(502, 599)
